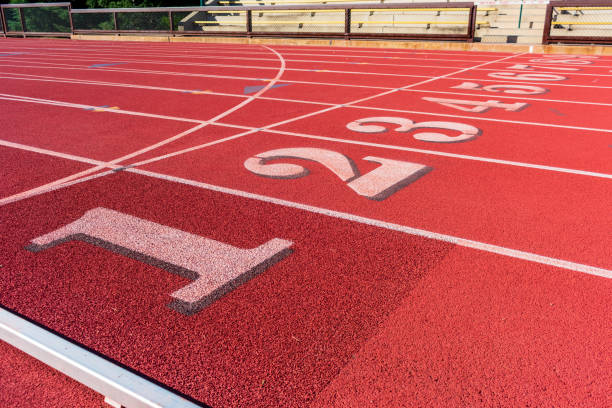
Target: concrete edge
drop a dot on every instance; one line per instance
(414, 45)
(118, 385)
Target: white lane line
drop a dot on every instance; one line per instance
(270, 84)
(46, 78)
(382, 93)
(445, 154)
(193, 148)
(506, 162)
(351, 217)
(174, 63)
(239, 52)
(27, 99)
(67, 156)
(328, 109)
(521, 97)
(41, 60)
(55, 187)
(196, 75)
(56, 66)
(448, 115)
(239, 48)
(47, 186)
(204, 49)
(251, 130)
(513, 253)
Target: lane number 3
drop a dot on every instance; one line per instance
(404, 125)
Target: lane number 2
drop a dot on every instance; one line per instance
(378, 184)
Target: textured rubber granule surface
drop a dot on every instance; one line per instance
(277, 340)
(26, 382)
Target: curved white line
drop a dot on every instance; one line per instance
(51, 185)
(280, 73)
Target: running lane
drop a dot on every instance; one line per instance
(277, 340)
(505, 205)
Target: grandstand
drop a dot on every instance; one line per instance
(498, 22)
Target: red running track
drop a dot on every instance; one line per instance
(477, 273)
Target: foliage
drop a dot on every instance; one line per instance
(55, 19)
(45, 19)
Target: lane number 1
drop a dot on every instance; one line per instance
(216, 268)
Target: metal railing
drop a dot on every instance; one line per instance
(36, 19)
(576, 21)
(119, 386)
(434, 21)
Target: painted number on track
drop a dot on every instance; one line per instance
(216, 268)
(504, 88)
(466, 132)
(477, 106)
(378, 184)
(526, 77)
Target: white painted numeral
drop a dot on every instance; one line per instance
(467, 132)
(526, 77)
(532, 67)
(378, 184)
(569, 56)
(564, 60)
(477, 106)
(505, 88)
(216, 268)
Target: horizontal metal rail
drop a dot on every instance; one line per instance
(281, 2)
(574, 5)
(583, 8)
(35, 5)
(117, 384)
(584, 22)
(411, 6)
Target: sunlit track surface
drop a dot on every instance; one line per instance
(249, 225)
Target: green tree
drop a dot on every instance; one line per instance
(55, 19)
(43, 19)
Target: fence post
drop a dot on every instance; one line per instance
(347, 24)
(171, 23)
(249, 23)
(472, 23)
(70, 19)
(115, 20)
(23, 23)
(3, 21)
(547, 24)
